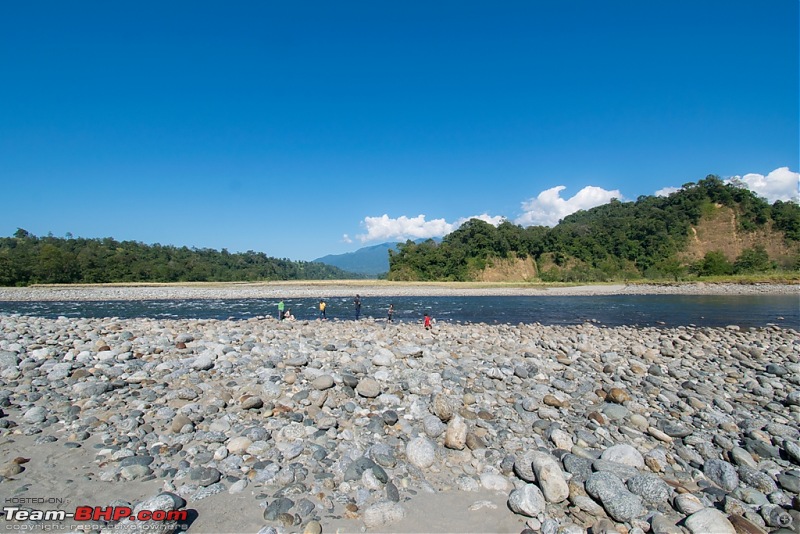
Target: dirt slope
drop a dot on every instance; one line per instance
(720, 231)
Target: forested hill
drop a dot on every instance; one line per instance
(654, 237)
(26, 259)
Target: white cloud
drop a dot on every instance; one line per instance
(346, 239)
(403, 227)
(667, 191)
(386, 228)
(780, 184)
(548, 208)
(485, 217)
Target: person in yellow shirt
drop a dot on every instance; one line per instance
(322, 307)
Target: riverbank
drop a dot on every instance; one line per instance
(374, 288)
(344, 426)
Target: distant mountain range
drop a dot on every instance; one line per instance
(370, 261)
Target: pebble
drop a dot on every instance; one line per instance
(549, 477)
(624, 454)
(527, 500)
(35, 415)
(383, 513)
(322, 382)
(721, 473)
(421, 452)
(456, 433)
(369, 388)
(581, 427)
(709, 520)
(610, 491)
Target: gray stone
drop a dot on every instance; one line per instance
(650, 487)
(252, 403)
(792, 450)
(205, 476)
(208, 491)
(789, 482)
(164, 502)
(621, 504)
(143, 459)
(134, 471)
(662, 524)
(527, 500)
(180, 421)
(674, 429)
(297, 361)
(322, 382)
(623, 471)
(35, 415)
(421, 452)
(384, 358)
(756, 479)
(739, 456)
(721, 473)
(433, 426)
(238, 445)
(580, 468)
(495, 482)
(383, 513)
(687, 504)
(281, 505)
(523, 468)
(203, 362)
(369, 388)
(549, 477)
(709, 520)
(624, 454)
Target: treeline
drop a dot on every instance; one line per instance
(619, 240)
(26, 259)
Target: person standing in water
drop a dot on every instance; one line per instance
(322, 307)
(281, 307)
(391, 312)
(357, 302)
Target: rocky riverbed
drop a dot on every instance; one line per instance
(329, 289)
(267, 426)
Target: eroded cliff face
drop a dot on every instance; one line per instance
(509, 270)
(720, 231)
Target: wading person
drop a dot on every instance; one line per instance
(390, 313)
(357, 302)
(281, 307)
(322, 307)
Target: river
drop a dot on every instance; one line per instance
(609, 310)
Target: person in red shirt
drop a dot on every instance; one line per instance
(427, 322)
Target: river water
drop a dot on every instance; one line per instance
(609, 310)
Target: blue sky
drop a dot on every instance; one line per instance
(301, 129)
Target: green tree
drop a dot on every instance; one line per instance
(753, 260)
(714, 263)
(55, 266)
